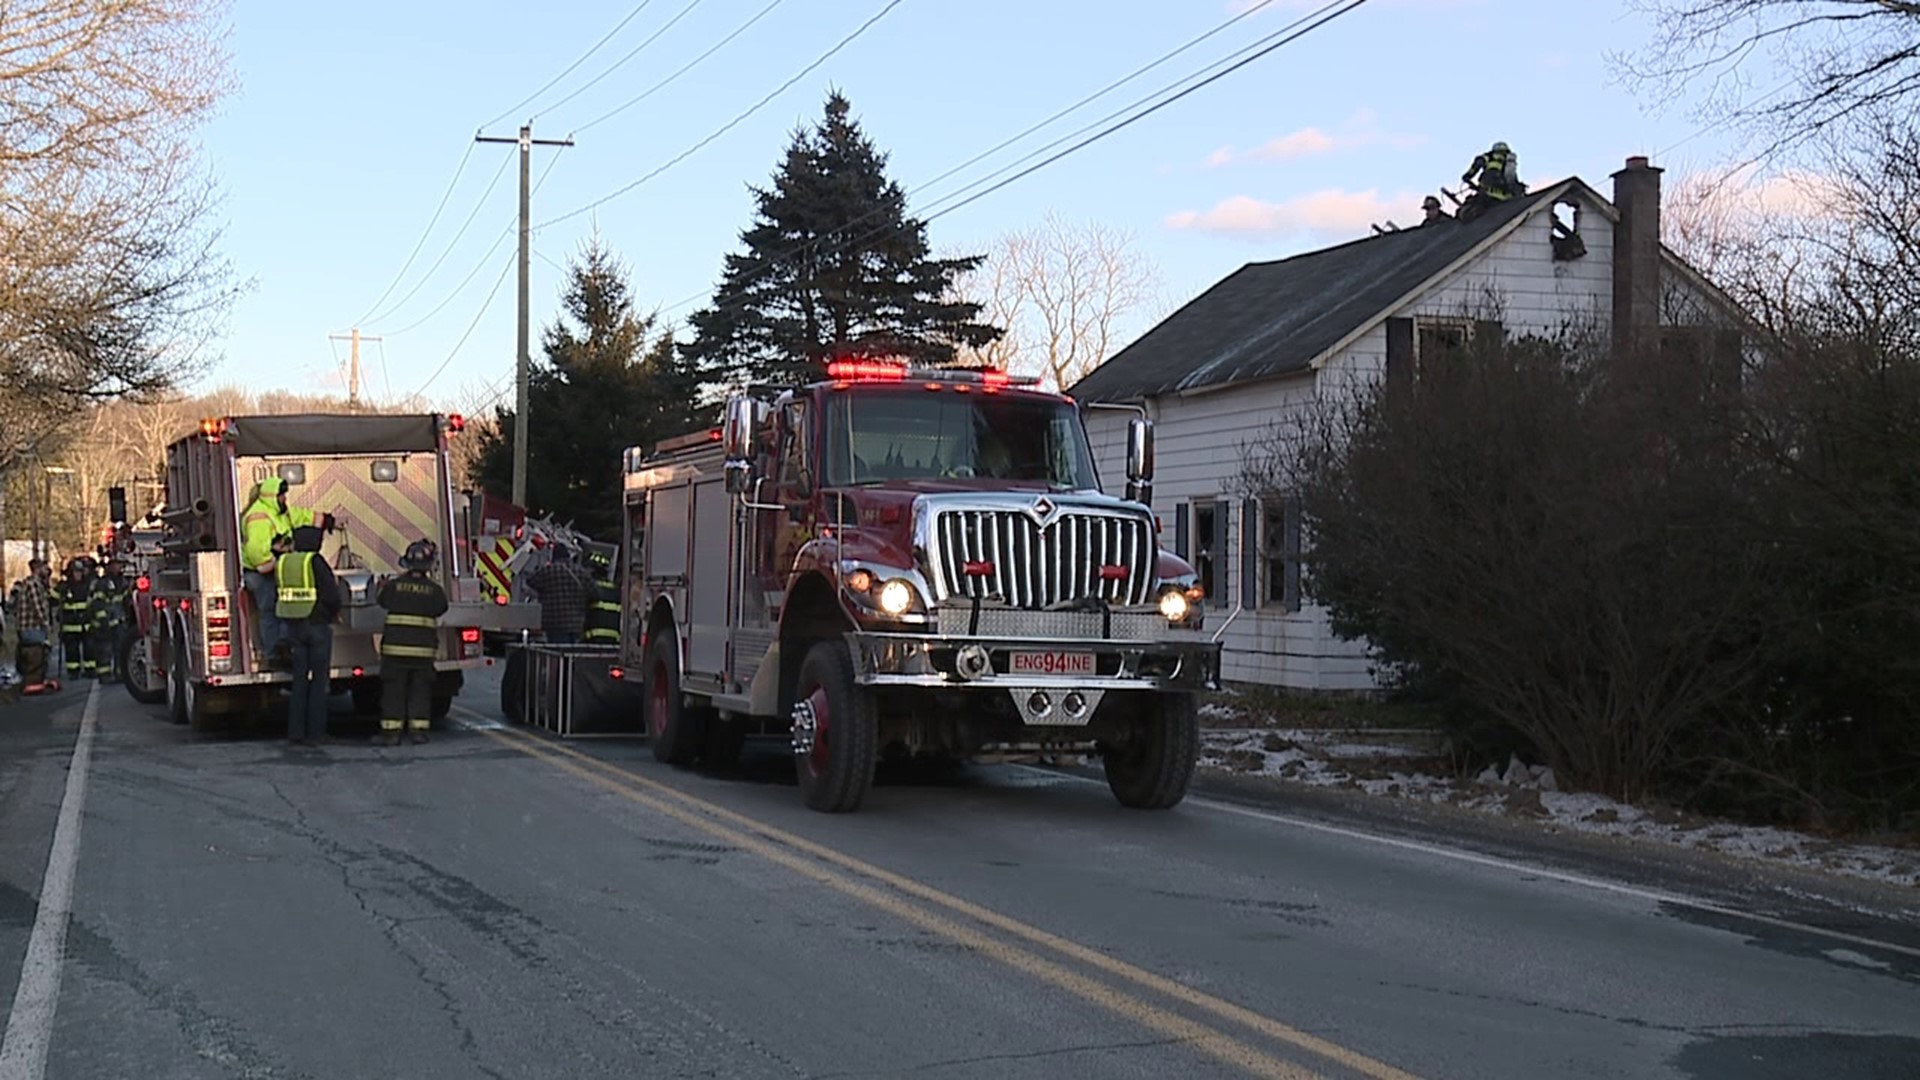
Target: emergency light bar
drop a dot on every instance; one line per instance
(863, 371)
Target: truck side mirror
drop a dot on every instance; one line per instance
(1140, 460)
(737, 437)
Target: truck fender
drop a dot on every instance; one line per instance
(764, 693)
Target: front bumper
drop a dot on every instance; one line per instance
(1137, 651)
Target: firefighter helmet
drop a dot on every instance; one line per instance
(420, 555)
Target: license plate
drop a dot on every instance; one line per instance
(1052, 663)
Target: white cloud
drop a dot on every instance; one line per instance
(1329, 212)
(1357, 132)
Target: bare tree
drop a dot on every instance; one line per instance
(1843, 56)
(1065, 292)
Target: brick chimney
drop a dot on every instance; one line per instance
(1636, 253)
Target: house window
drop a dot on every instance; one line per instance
(1567, 244)
(1435, 338)
(1281, 553)
(1209, 547)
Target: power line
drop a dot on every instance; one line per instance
(477, 316)
(451, 244)
(689, 66)
(478, 266)
(617, 64)
(731, 124)
(1272, 40)
(459, 171)
(551, 83)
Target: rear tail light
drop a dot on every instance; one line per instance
(470, 634)
(220, 650)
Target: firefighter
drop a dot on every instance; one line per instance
(73, 597)
(307, 598)
(409, 644)
(603, 611)
(266, 529)
(112, 593)
(1494, 177)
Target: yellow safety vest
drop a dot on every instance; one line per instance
(295, 596)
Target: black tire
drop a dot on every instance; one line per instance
(136, 666)
(842, 725)
(675, 731)
(177, 683)
(366, 697)
(440, 709)
(1151, 768)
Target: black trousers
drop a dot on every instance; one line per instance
(406, 694)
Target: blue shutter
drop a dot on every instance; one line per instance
(1250, 552)
(1180, 531)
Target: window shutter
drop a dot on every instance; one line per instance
(1180, 513)
(1290, 545)
(1399, 348)
(1488, 332)
(1222, 549)
(1250, 552)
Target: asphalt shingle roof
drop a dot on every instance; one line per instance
(1273, 318)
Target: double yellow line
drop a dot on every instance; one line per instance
(887, 891)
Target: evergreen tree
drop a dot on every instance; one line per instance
(608, 382)
(833, 267)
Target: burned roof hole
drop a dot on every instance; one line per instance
(1567, 244)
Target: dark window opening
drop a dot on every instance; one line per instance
(1207, 546)
(1439, 338)
(1280, 542)
(1567, 244)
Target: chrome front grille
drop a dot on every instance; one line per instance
(1035, 567)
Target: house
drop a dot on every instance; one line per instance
(1266, 343)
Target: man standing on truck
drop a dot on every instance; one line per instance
(409, 644)
(307, 596)
(266, 519)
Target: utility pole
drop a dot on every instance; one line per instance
(521, 361)
(353, 370)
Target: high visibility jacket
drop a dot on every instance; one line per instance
(414, 604)
(260, 524)
(1496, 174)
(295, 593)
(603, 613)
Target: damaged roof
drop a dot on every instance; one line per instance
(1276, 318)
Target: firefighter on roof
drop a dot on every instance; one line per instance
(409, 644)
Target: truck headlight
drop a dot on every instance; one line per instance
(1174, 606)
(896, 597)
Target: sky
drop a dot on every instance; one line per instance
(354, 119)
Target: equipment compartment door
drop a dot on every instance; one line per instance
(707, 579)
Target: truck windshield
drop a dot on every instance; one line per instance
(876, 436)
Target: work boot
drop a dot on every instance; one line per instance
(387, 738)
(418, 736)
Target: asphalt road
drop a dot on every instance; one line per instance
(497, 904)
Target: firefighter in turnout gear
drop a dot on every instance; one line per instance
(1494, 178)
(112, 594)
(262, 526)
(73, 599)
(603, 611)
(409, 644)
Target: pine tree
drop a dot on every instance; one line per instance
(608, 382)
(834, 267)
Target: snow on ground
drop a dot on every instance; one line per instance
(1337, 759)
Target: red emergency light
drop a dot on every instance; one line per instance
(616, 673)
(456, 423)
(995, 379)
(469, 634)
(500, 599)
(220, 650)
(714, 434)
(359, 671)
(142, 583)
(866, 371)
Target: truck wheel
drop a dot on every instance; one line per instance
(136, 671)
(672, 728)
(366, 697)
(177, 684)
(440, 708)
(836, 731)
(1149, 769)
(513, 687)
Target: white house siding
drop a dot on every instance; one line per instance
(1200, 438)
(1198, 454)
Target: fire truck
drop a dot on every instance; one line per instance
(386, 480)
(910, 563)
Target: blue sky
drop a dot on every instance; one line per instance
(352, 118)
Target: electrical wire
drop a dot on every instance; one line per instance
(551, 83)
(459, 171)
(617, 64)
(1264, 44)
(731, 124)
(689, 66)
(481, 264)
(478, 205)
(477, 316)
